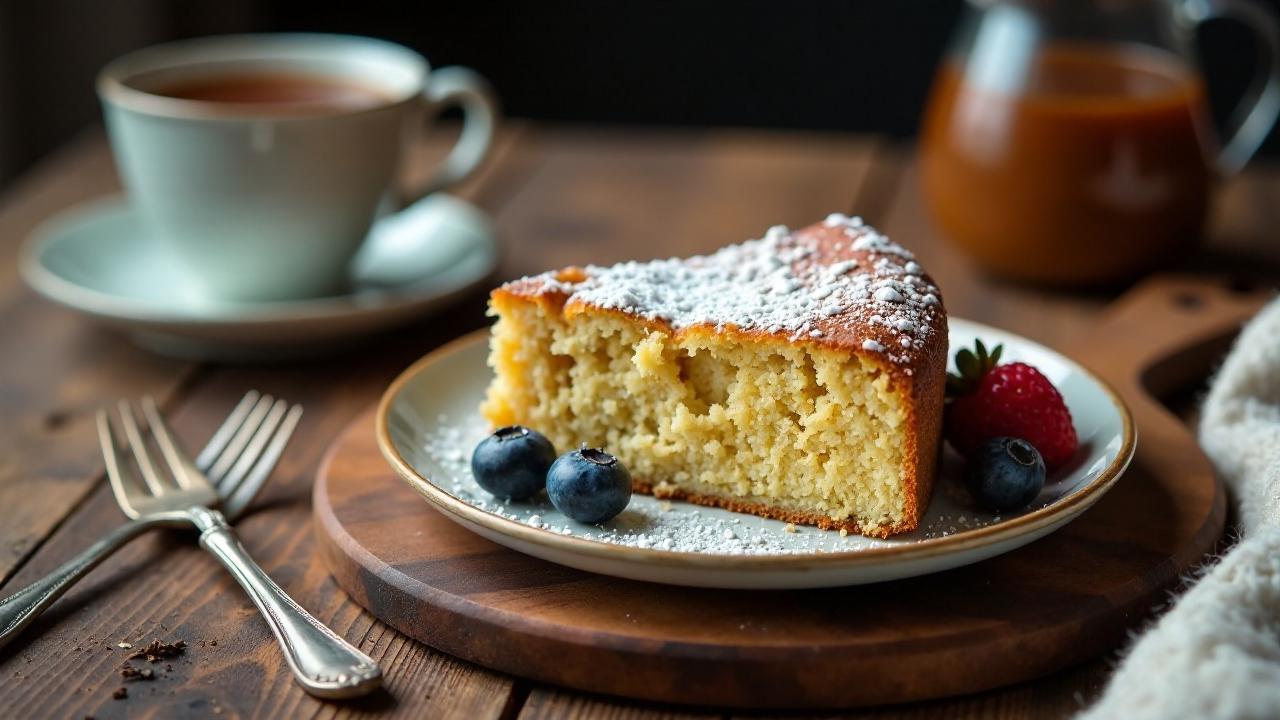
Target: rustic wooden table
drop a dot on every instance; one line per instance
(560, 196)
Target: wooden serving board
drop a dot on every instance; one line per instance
(1056, 602)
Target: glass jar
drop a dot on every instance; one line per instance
(1068, 142)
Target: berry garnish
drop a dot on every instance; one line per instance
(589, 485)
(513, 462)
(1004, 474)
(988, 400)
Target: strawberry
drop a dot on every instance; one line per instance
(987, 400)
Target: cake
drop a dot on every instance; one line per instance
(798, 376)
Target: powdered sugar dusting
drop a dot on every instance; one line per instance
(888, 294)
(823, 282)
(842, 220)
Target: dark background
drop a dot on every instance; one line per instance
(851, 65)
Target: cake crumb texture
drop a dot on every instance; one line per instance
(813, 395)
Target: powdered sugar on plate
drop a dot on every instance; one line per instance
(652, 524)
(432, 423)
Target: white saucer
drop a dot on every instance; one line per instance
(96, 260)
(428, 424)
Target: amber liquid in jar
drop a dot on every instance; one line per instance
(1092, 171)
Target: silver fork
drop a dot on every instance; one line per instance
(322, 662)
(244, 442)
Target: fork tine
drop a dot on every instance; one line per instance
(183, 471)
(241, 438)
(227, 485)
(139, 447)
(219, 441)
(111, 455)
(238, 500)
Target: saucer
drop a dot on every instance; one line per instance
(97, 260)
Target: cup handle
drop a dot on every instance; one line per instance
(1256, 113)
(464, 88)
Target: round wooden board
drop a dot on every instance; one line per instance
(1058, 601)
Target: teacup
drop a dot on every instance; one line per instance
(260, 162)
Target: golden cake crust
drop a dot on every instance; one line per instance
(848, 289)
(852, 327)
(774, 512)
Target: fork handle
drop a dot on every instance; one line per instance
(22, 608)
(323, 663)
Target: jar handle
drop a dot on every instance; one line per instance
(1258, 109)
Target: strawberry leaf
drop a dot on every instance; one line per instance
(971, 366)
(967, 363)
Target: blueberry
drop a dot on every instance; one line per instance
(589, 485)
(1005, 474)
(513, 462)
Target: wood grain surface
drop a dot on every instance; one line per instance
(1051, 604)
(558, 194)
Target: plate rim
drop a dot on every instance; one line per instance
(986, 536)
(115, 308)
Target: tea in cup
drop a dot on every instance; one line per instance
(260, 162)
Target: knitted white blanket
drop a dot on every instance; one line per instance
(1216, 654)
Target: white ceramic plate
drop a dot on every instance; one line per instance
(97, 260)
(428, 423)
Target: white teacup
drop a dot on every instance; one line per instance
(259, 162)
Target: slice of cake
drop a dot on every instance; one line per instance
(798, 377)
